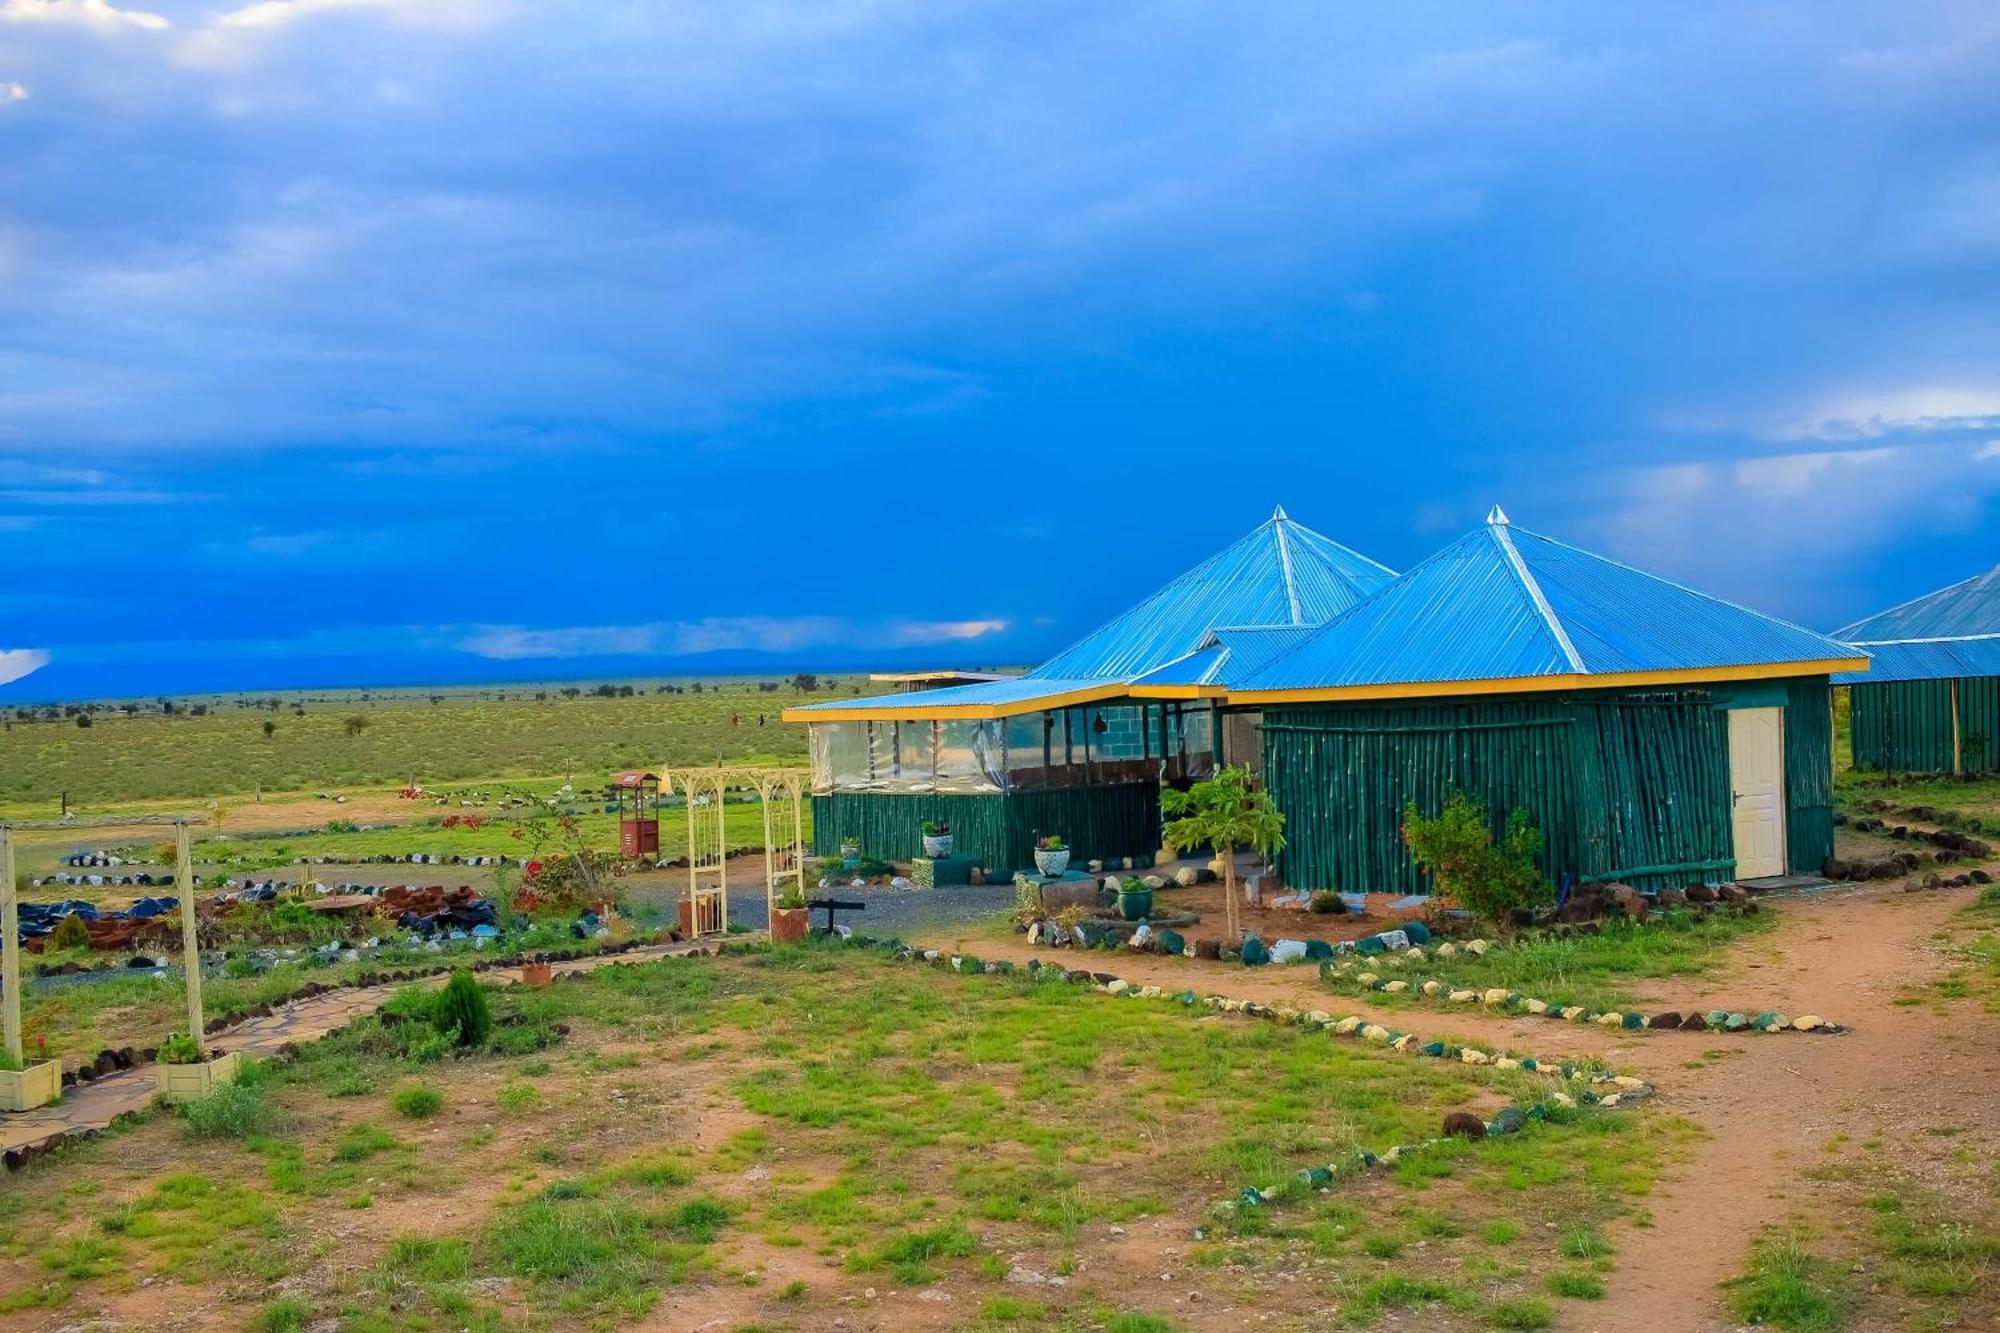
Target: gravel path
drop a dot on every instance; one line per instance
(890, 911)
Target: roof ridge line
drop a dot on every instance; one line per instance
(1939, 638)
(1533, 588)
(1278, 521)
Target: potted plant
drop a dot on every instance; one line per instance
(537, 972)
(850, 853)
(186, 1072)
(937, 838)
(790, 917)
(1135, 900)
(1051, 855)
(25, 1086)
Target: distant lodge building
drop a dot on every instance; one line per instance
(1930, 699)
(1654, 735)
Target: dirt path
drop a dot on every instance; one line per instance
(1771, 1109)
(1769, 1106)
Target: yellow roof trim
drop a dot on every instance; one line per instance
(1431, 689)
(1177, 692)
(911, 707)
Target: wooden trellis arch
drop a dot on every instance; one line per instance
(10, 912)
(781, 793)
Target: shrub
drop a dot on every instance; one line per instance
(1457, 850)
(286, 1314)
(1328, 903)
(180, 1049)
(70, 933)
(231, 1111)
(462, 1008)
(418, 1101)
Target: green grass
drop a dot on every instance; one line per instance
(1788, 1287)
(1597, 971)
(469, 735)
(417, 1101)
(913, 1126)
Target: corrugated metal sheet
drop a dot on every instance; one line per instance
(1503, 603)
(1017, 690)
(1964, 610)
(1229, 654)
(1282, 573)
(1930, 659)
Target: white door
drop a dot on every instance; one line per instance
(1757, 777)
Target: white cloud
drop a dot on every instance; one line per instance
(18, 662)
(1991, 449)
(946, 631)
(11, 92)
(1870, 416)
(768, 634)
(97, 15)
(235, 37)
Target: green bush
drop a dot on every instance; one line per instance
(462, 1008)
(1328, 903)
(1457, 850)
(231, 1111)
(418, 1101)
(180, 1049)
(70, 933)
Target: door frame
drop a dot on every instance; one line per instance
(1784, 853)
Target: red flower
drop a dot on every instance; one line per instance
(534, 868)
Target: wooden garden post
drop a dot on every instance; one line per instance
(10, 948)
(190, 942)
(722, 854)
(770, 867)
(798, 790)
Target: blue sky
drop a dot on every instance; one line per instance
(356, 341)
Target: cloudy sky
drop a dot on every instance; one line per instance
(351, 340)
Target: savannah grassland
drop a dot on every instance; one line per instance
(819, 1137)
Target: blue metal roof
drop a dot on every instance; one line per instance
(1927, 659)
(1016, 694)
(1229, 654)
(1281, 573)
(1967, 609)
(1503, 603)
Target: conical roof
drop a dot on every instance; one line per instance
(1949, 634)
(1505, 604)
(1965, 610)
(1280, 573)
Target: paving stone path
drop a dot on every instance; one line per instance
(91, 1106)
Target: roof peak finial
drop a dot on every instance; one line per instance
(1497, 517)
(1278, 512)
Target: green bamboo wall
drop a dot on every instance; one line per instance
(1629, 785)
(1904, 726)
(996, 830)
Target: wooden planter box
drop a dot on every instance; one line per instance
(789, 924)
(37, 1085)
(537, 974)
(186, 1082)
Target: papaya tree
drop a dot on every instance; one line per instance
(1225, 812)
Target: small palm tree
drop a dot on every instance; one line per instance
(1225, 812)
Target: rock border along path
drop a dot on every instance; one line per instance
(89, 1107)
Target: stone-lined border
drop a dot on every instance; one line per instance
(1515, 1004)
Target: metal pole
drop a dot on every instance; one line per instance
(10, 949)
(190, 944)
(799, 834)
(694, 903)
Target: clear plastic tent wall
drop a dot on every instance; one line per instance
(1067, 747)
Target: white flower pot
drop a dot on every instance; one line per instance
(1052, 863)
(938, 846)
